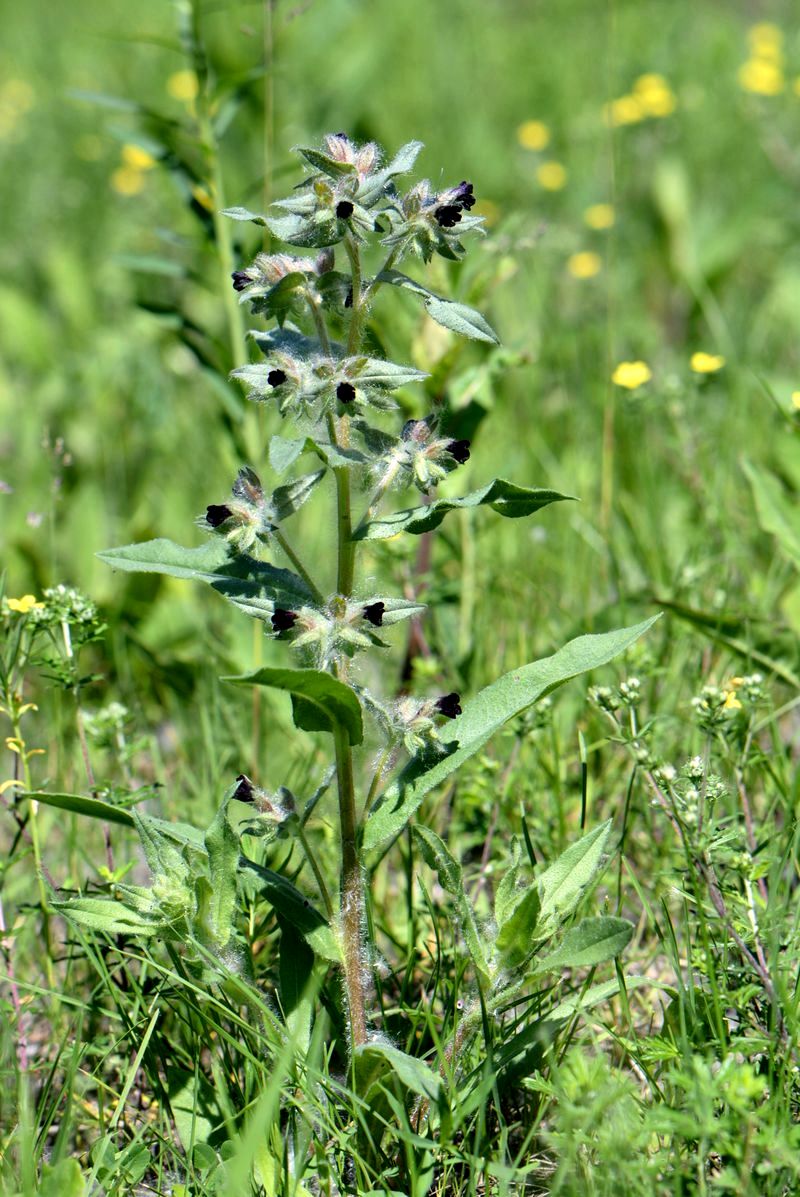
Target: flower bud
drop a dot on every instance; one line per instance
(217, 514)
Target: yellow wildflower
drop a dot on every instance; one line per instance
(706, 363)
(552, 176)
(761, 78)
(183, 85)
(626, 110)
(654, 95)
(631, 375)
(796, 400)
(599, 216)
(23, 605)
(137, 158)
(126, 180)
(533, 135)
(731, 701)
(765, 38)
(585, 264)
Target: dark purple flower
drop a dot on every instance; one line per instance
(276, 377)
(217, 514)
(345, 392)
(374, 613)
(283, 620)
(245, 790)
(241, 279)
(448, 705)
(464, 195)
(344, 209)
(348, 299)
(448, 215)
(459, 450)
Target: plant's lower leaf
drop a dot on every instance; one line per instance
(374, 1060)
(439, 858)
(482, 717)
(564, 882)
(78, 804)
(296, 909)
(320, 701)
(506, 498)
(590, 942)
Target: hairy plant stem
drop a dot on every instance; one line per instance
(352, 892)
(352, 881)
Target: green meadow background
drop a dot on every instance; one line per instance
(638, 165)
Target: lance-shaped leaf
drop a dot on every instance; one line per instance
(256, 587)
(458, 317)
(295, 908)
(320, 702)
(485, 714)
(590, 942)
(288, 340)
(506, 498)
(777, 513)
(378, 372)
(244, 214)
(374, 1061)
(324, 162)
(564, 882)
(287, 499)
(111, 916)
(439, 858)
(516, 936)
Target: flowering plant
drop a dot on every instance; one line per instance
(322, 376)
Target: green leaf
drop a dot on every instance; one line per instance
(591, 942)
(562, 885)
(458, 317)
(439, 858)
(324, 162)
(390, 375)
(516, 937)
(296, 908)
(320, 701)
(110, 916)
(256, 587)
(79, 805)
(374, 185)
(506, 498)
(284, 452)
(373, 1060)
(64, 1179)
(194, 1106)
(777, 514)
(244, 214)
(482, 717)
(295, 967)
(288, 499)
(222, 846)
